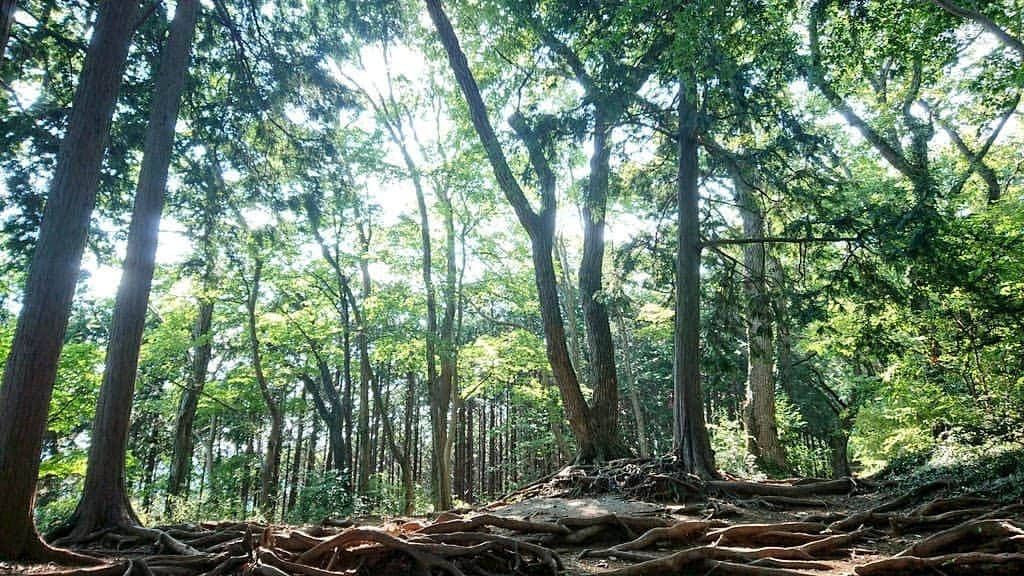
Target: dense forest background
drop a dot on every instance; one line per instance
(365, 303)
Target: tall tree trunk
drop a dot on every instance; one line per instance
(759, 408)
(365, 453)
(202, 345)
(634, 394)
(211, 441)
(181, 455)
(691, 443)
(541, 227)
(6, 17)
(604, 410)
(347, 400)
(469, 455)
(569, 297)
(31, 365)
(104, 502)
(293, 477)
(272, 454)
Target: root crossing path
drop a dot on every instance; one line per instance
(570, 525)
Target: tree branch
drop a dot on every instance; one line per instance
(983, 21)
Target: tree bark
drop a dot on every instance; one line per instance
(759, 407)
(691, 443)
(6, 17)
(104, 502)
(31, 365)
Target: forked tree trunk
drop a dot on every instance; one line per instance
(31, 365)
(759, 407)
(104, 502)
(604, 408)
(597, 440)
(691, 443)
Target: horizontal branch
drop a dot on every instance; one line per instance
(776, 240)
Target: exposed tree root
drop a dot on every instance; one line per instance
(968, 562)
(958, 535)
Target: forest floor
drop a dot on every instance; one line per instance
(629, 518)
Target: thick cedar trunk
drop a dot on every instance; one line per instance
(103, 498)
(634, 394)
(689, 431)
(35, 350)
(104, 502)
(759, 407)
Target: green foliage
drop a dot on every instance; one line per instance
(729, 441)
(324, 496)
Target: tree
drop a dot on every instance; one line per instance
(32, 362)
(759, 408)
(596, 439)
(690, 441)
(104, 501)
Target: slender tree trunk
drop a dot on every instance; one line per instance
(149, 469)
(691, 443)
(469, 479)
(211, 441)
(634, 395)
(569, 297)
(759, 408)
(272, 455)
(31, 365)
(293, 478)
(365, 454)
(347, 400)
(181, 455)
